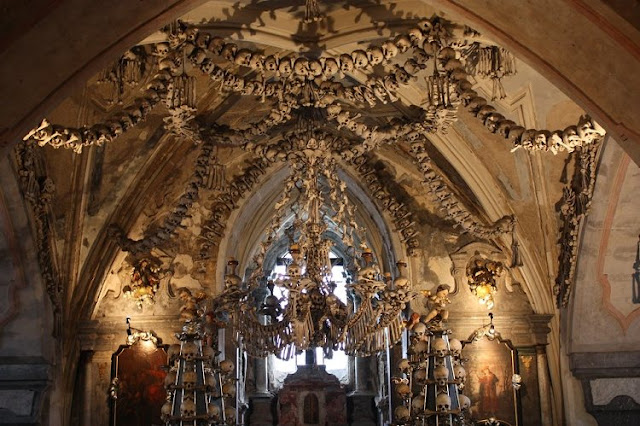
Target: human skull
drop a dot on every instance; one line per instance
(213, 411)
(571, 138)
(271, 63)
(210, 381)
(202, 40)
(389, 50)
(230, 414)
(503, 127)
(187, 409)
(439, 347)
(243, 57)
(165, 411)
(346, 63)
(419, 331)
(215, 45)
(403, 389)
(420, 347)
(173, 352)
(170, 379)
(455, 347)
(315, 69)
(465, 402)
(402, 413)
(208, 353)
(375, 55)
(420, 376)
(189, 380)
(443, 403)
(515, 134)
(404, 365)
(402, 42)
(402, 76)
(300, 67)
(415, 35)
(528, 137)
(460, 373)
(257, 62)
(285, 67)
(189, 351)
(418, 403)
(476, 103)
(589, 130)
(441, 374)
(229, 51)
(226, 366)
(162, 49)
(360, 59)
(484, 112)
(229, 389)
(541, 139)
(492, 120)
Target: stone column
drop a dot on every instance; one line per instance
(544, 385)
(261, 376)
(87, 394)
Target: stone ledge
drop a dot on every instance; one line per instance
(592, 365)
(23, 382)
(594, 368)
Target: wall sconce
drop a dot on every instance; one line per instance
(482, 275)
(145, 279)
(134, 335)
(487, 330)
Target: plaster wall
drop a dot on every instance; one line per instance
(26, 344)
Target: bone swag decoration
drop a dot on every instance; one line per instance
(436, 51)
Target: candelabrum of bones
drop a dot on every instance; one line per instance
(199, 386)
(432, 378)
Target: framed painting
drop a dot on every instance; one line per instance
(137, 385)
(490, 367)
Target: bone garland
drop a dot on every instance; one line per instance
(576, 200)
(454, 209)
(74, 138)
(173, 221)
(39, 190)
(428, 35)
(226, 202)
(400, 214)
(587, 132)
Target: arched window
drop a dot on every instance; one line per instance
(338, 362)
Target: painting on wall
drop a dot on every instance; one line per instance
(138, 384)
(490, 367)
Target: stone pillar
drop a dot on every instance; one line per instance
(544, 385)
(261, 376)
(87, 394)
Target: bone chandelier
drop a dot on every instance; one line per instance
(311, 314)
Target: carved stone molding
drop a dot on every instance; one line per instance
(23, 383)
(611, 385)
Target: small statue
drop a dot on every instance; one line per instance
(438, 303)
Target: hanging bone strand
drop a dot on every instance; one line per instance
(173, 221)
